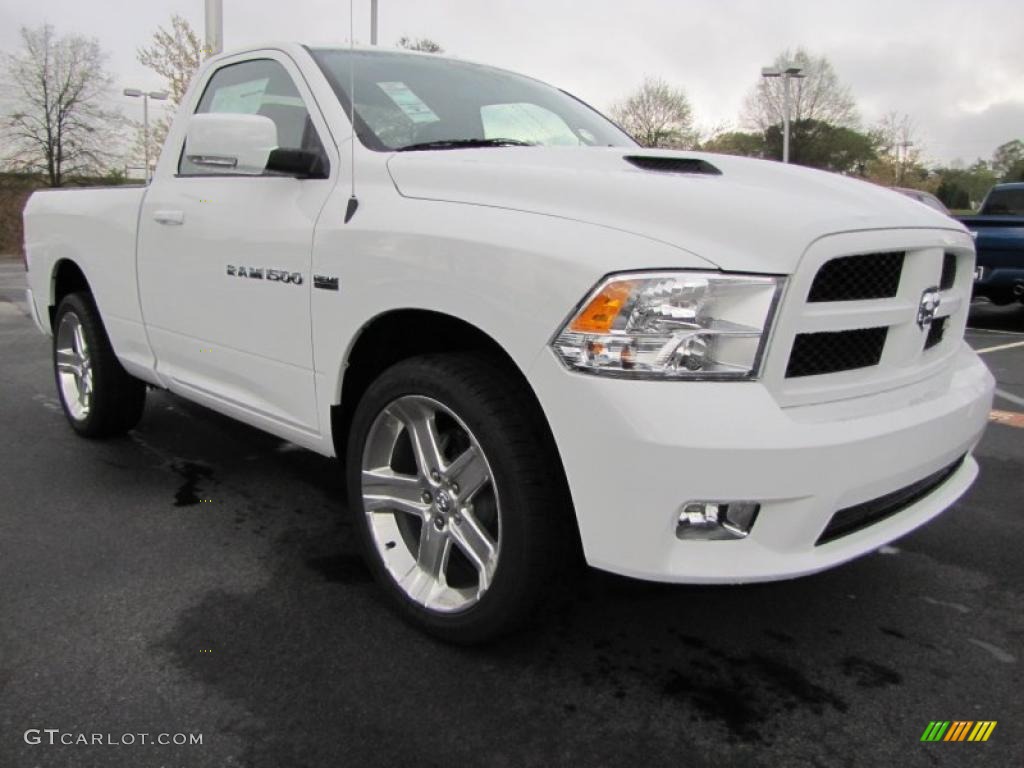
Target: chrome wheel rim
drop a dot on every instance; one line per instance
(431, 504)
(74, 367)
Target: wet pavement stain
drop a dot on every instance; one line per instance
(729, 703)
(761, 688)
(192, 474)
(892, 632)
(341, 568)
(869, 674)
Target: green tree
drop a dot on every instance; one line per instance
(1008, 160)
(736, 143)
(1016, 172)
(657, 115)
(953, 195)
(976, 180)
(818, 144)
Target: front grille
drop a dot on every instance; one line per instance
(859, 516)
(935, 332)
(854, 278)
(832, 351)
(948, 271)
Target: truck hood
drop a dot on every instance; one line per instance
(740, 214)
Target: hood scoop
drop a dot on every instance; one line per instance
(687, 165)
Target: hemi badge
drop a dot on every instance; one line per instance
(327, 283)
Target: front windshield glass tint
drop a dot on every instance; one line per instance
(405, 100)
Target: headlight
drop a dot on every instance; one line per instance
(672, 325)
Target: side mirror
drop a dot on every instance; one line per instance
(230, 143)
(300, 163)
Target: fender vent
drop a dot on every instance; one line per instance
(689, 165)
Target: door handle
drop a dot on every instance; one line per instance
(169, 217)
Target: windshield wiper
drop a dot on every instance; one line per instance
(464, 144)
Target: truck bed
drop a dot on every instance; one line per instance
(96, 229)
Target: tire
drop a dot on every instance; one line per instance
(499, 539)
(99, 398)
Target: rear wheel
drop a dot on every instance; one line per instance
(99, 397)
(456, 496)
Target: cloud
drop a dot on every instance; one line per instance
(955, 67)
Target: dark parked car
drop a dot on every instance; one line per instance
(999, 237)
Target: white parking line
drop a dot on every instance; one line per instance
(1011, 398)
(993, 332)
(1001, 346)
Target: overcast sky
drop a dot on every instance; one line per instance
(956, 67)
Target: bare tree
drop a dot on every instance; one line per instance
(175, 54)
(818, 96)
(898, 148)
(658, 115)
(57, 124)
(424, 44)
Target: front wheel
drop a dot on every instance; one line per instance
(457, 496)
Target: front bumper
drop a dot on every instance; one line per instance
(635, 451)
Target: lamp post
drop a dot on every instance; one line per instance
(214, 33)
(373, 22)
(901, 164)
(159, 96)
(786, 74)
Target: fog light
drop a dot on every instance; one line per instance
(716, 520)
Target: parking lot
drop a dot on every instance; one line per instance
(200, 577)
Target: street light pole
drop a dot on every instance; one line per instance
(785, 119)
(373, 22)
(901, 164)
(159, 96)
(214, 32)
(786, 74)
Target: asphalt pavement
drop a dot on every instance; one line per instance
(200, 577)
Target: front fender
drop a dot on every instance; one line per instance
(514, 276)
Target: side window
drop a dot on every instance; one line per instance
(259, 87)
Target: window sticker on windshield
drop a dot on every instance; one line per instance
(244, 98)
(409, 103)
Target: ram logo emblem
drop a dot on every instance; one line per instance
(930, 301)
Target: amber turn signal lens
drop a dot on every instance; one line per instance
(600, 313)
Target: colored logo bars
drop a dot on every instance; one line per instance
(958, 730)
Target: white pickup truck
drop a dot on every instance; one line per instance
(524, 334)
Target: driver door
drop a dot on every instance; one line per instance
(225, 256)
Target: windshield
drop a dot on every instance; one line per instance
(408, 101)
(1004, 202)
